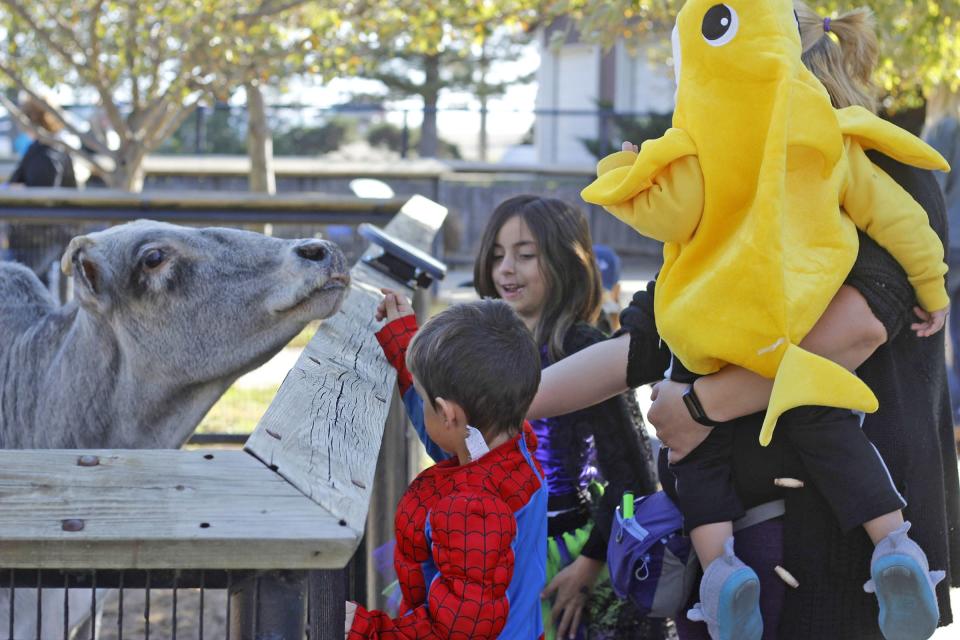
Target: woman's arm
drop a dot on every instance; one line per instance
(583, 379)
(847, 333)
(633, 358)
(623, 464)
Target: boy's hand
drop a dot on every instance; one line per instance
(393, 306)
(933, 321)
(348, 622)
(629, 146)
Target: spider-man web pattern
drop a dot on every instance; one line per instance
(456, 531)
(394, 338)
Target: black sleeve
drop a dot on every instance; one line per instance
(17, 176)
(883, 283)
(648, 357)
(65, 175)
(623, 452)
(876, 275)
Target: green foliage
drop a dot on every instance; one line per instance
(222, 131)
(238, 410)
(150, 64)
(636, 129)
(390, 136)
(314, 141)
(919, 39)
(386, 136)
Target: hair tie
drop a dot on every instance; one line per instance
(826, 24)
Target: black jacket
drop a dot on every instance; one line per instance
(44, 166)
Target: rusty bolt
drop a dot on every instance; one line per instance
(358, 483)
(273, 434)
(88, 461)
(72, 524)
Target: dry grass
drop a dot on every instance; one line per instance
(238, 410)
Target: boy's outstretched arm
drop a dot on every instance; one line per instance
(472, 537)
(394, 339)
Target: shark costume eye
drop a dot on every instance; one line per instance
(720, 25)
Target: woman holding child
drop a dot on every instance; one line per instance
(911, 430)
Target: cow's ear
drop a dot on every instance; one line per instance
(87, 273)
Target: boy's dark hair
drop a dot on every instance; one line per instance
(481, 356)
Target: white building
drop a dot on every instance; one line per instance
(574, 79)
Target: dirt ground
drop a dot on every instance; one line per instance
(161, 616)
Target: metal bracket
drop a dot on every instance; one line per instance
(400, 260)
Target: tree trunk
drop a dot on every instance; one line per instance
(484, 99)
(483, 129)
(259, 142)
(428, 130)
(129, 173)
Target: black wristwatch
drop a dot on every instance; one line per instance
(696, 409)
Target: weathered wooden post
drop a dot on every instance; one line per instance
(325, 426)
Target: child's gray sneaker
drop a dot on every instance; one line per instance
(905, 588)
(729, 599)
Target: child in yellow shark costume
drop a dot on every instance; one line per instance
(781, 183)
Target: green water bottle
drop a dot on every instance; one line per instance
(627, 505)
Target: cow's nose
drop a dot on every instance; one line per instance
(313, 250)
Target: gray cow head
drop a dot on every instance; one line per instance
(196, 305)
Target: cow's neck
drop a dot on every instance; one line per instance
(57, 387)
(86, 391)
(159, 410)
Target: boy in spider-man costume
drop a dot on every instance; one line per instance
(471, 530)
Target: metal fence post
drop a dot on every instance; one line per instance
(271, 606)
(328, 594)
(405, 137)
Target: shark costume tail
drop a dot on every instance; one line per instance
(806, 379)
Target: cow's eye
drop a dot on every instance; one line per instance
(720, 25)
(154, 258)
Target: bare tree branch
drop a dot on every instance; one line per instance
(156, 53)
(46, 36)
(65, 30)
(85, 138)
(171, 126)
(131, 52)
(266, 9)
(45, 137)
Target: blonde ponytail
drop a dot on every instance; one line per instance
(845, 65)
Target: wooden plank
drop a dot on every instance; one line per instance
(324, 428)
(72, 198)
(239, 167)
(210, 165)
(161, 509)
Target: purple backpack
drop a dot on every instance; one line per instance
(650, 561)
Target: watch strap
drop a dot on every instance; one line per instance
(695, 408)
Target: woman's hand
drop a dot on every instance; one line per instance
(394, 305)
(570, 590)
(348, 622)
(675, 427)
